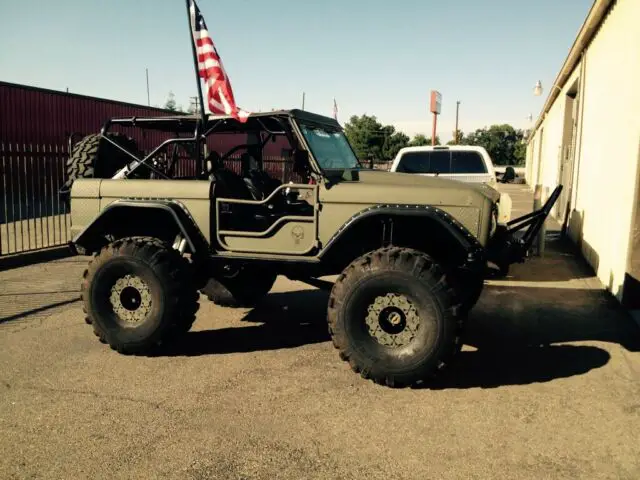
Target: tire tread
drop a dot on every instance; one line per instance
(425, 270)
(169, 265)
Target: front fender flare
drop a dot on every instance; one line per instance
(475, 251)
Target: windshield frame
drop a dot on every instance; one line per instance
(299, 123)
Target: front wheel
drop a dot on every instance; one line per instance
(393, 317)
(137, 293)
(468, 288)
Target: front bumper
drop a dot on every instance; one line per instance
(509, 244)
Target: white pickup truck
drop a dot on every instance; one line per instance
(466, 163)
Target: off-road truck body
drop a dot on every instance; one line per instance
(411, 252)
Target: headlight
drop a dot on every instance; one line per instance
(504, 209)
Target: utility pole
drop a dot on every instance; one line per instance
(148, 98)
(457, 134)
(302, 100)
(196, 101)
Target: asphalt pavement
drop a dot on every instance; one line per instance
(546, 387)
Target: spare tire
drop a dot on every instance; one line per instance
(95, 157)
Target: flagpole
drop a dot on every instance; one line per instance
(195, 61)
(199, 123)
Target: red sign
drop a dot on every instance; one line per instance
(436, 102)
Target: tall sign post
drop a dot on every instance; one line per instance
(457, 139)
(435, 107)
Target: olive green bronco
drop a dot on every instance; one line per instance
(410, 252)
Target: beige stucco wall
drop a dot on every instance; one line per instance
(607, 147)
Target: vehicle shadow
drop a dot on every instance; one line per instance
(515, 332)
(282, 320)
(519, 333)
(518, 366)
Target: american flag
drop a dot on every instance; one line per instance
(219, 93)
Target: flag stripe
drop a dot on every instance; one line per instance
(220, 96)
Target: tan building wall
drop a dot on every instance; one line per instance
(589, 140)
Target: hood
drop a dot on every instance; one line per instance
(379, 186)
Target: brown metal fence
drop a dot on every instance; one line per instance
(33, 216)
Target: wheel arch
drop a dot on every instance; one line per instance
(163, 219)
(426, 228)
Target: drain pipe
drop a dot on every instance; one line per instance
(538, 244)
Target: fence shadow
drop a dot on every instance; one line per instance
(39, 309)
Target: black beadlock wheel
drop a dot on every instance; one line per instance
(239, 286)
(393, 317)
(137, 293)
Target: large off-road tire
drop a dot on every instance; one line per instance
(137, 293)
(393, 317)
(240, 287)
(467, 288)
(95, 157)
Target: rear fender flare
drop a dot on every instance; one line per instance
(174, 210)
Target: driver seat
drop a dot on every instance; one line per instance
(259, 183)
(227, 183)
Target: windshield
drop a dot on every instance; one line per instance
(330, 147)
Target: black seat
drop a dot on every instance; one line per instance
(259, 183)
(228, 184)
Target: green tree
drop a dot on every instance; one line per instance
(421, 140)
(393, 142)
(170, 104)
(520, 152)
(503, 143)
(372, 140)
(460, 134)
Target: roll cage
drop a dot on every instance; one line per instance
(191, 133)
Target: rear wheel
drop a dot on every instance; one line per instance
(137, 293)
(393, 317)
(239, 286)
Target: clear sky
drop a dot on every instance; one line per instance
(376, 57)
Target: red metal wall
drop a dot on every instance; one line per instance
(40, 116)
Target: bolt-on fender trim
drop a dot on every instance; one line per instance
(194, 238)
(471, 245)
